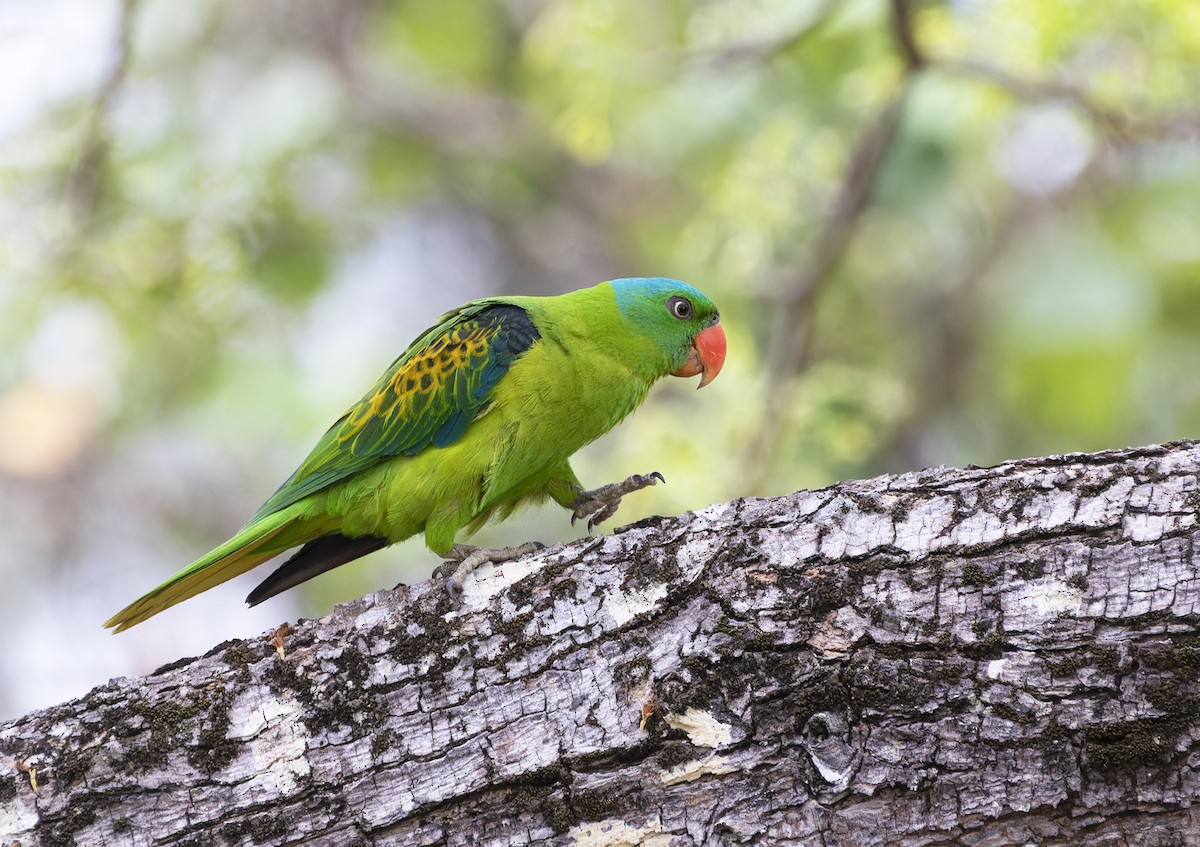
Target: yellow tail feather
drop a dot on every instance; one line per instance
(252, 546)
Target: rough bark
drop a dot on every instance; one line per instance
(983, 656)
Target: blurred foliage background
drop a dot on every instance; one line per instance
(939, 232)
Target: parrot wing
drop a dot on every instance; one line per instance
(429, 395)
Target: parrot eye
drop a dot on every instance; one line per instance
(680, 308)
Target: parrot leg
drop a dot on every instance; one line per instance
(464, 558)
(601, 503)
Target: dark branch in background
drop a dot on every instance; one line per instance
(84, 184)
(1117, 127)
(790, 343)
(949, 316)
(792, 336)
(789, 348)
(906, 42)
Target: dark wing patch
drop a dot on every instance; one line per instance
(429, 396)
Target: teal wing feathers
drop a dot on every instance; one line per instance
(428, 396)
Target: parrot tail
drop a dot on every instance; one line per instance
(257, 542)
(317, 556)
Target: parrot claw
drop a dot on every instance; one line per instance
(461, 559)
(600, 504)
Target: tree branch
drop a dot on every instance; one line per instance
(84, 183)
(791, 337)
(999, 655)
(1118, 126)
(906, 40)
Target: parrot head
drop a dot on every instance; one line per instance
(683, 323)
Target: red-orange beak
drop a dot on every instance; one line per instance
(706, 356)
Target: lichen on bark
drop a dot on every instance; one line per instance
(992, 655)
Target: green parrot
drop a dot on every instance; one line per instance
(477, 417)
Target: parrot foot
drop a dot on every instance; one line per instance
(461, 559)
(601, 503)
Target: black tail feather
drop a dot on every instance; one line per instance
(317, 556)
